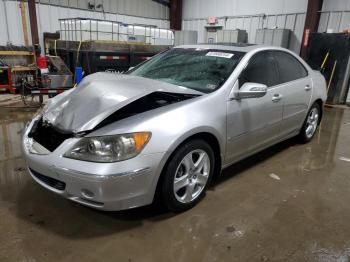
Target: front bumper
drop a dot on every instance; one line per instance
(104, 186)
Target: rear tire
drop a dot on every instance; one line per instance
(311, 123)
(187, 175)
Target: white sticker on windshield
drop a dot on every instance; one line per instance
(211, 86)
(220, 54)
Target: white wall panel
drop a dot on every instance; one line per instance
(205, 8)
(294, 22)
(297, 34)
(48, 15)
(145, 8)
(11, 28)
(334, 21)
(16, 25)
(195, 13)
(4, 32)
(335, 5)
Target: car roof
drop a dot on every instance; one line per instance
(240, 47)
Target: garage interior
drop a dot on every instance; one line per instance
(286, 203)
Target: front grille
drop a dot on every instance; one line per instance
(48, 136)
(59, 185)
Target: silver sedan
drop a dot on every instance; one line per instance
(169, 126)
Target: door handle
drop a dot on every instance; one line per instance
(276, 97)
(307, 88)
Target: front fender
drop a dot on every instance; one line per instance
(195, 131)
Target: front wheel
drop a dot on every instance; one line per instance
(187, 175)
(310, 124)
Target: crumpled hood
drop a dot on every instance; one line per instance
(98, 96)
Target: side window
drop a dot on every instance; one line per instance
(260, 69)
(289, 67)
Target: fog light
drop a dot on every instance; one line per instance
(87, 193)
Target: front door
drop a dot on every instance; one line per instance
(254, 123)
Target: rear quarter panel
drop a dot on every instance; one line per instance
(319, 87)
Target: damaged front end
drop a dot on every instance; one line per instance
(102, 99)
(102, 94)
(47, 135)
(149, 102)
(51, 137)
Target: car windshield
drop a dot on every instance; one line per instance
(204, 70)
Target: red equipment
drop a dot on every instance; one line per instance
(42, 62)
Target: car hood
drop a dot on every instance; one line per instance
(100, 95)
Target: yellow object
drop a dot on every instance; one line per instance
(55, 47)
(22, 68)
(324, 60)
(24, 22)
(76, 63)
(16, 53)
(140, 140)
(116, 41)
(332, 74)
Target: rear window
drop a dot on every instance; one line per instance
(289, 67)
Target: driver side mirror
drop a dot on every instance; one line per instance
(251, 90)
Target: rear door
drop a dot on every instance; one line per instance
(296, 89)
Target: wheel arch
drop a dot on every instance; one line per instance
(206, 136)
(321, 104)
(213, 143)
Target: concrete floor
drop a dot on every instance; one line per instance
(301, 213)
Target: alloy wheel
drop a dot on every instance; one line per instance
(312, 122)
(191, 176)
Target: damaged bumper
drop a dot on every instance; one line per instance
(104, 186)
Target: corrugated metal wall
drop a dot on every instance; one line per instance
(335, 16)
(247, 15)
(11, 23)
(48, 15)
(331, 5)
(143, 8)
(205, 8)
(195, 13)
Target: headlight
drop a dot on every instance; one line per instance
(106, 149)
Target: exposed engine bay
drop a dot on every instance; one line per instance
(51, 137)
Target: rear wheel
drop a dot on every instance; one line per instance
(310, 124)
(187, 175)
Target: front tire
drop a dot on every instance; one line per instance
(310, 124)
(187, 175)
